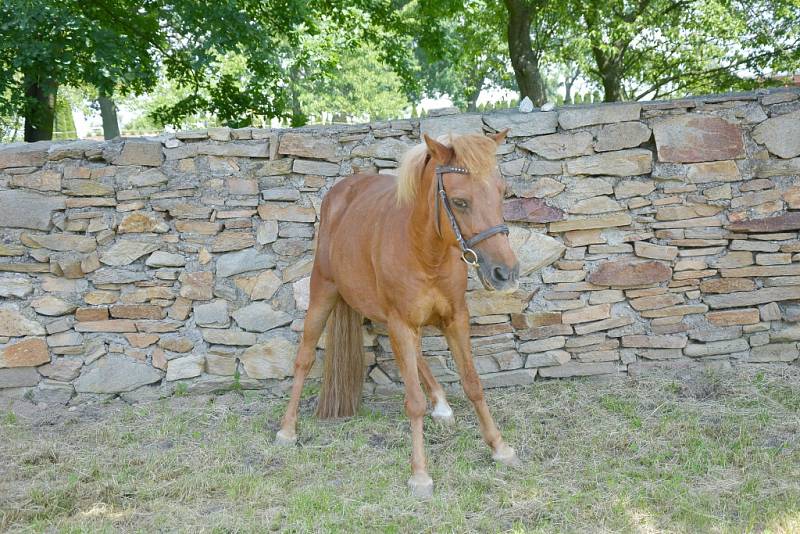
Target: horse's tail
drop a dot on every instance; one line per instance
(343, 375)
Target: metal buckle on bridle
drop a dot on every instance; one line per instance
(465, 245)
(474, 262)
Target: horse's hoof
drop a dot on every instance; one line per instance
(444, 420)
(284, 440)
(443, 414)
(507, 456)
(421, 486)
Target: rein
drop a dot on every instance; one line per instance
(464, 244)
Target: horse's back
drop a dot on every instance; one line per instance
(360, 197)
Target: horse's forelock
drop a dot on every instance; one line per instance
(473, 151)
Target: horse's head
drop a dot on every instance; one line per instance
(475, 193)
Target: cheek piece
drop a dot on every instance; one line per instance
(469, 256)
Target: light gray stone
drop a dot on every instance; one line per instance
(777, 352)
(457, 124)
(534, 250)
(115, 374)
(523, 124)
(560, 145)
(22, 209)
(228, 337)
(518, 377)
(781, 135)
(15, 287)
(322, 168)
(573, 368)
(622, 135)
(49, 393)
(160, 258)
(213, 314)
(140, 152)
(243, 261)
(14, 324)
(17, 377)
(260, 317)
(714, 348)
(126, 252)
(24, 154)
(185, 367)
(578, 117)
(274, 358)
(630, 162)
(52, 306)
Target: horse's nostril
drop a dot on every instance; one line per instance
(501, 274)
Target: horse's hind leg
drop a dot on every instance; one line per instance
(405, 344)
(322, 299)
(441, 409)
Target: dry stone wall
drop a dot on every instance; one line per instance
(654, 235)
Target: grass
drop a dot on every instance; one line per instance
(706, 453)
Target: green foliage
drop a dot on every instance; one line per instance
(64, 127)
(362, 88)
(460, 48)
(661, 48)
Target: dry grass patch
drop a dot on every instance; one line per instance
(709, 452)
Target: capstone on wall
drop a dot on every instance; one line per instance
(654, 235)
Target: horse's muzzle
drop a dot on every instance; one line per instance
(498, 276)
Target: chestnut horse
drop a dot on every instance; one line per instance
(396, 250)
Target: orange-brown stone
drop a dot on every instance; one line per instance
(629, 273)
(26, 353)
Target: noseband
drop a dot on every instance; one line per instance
(465, 244)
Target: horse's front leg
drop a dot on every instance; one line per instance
(406, 346)
(457, 333)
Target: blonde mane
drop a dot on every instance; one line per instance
(475, 152)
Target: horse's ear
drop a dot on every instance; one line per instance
(499, 137)
(441, 153)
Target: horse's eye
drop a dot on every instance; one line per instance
(460, 203)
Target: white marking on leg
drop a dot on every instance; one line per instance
(442, 410)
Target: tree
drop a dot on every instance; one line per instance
(636, 49)
(534, 33)
(124, 47)
(460, 48)
(49, 43)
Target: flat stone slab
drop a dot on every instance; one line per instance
(115, 374)
(523, 124)
(629, 273)
(694, 137)
(781, 135)
(779, 223)
(470, 123)
(530, 210)
(21, 209)
(751, 298)
(578, 117)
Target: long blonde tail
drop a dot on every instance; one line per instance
(343, 375)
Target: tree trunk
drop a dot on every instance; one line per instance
(472, 100)
(108, 112)
(41, 110)
(612, 85)
(524, 58)
(298, 117)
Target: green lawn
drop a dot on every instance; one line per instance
(707, 453)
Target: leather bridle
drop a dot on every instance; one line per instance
(465, 244)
